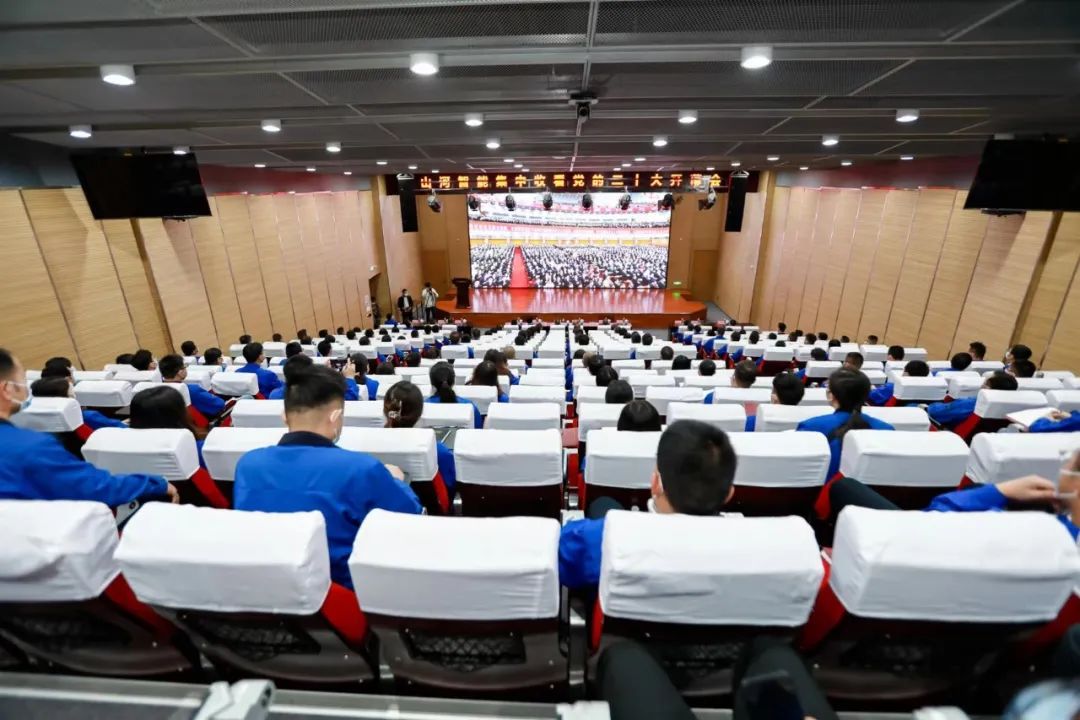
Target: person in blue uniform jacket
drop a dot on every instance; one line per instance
(173, 370)
(950, 414)
(307, 471)
(352, 388)
(485, 374)
(787, 389)
(402, 407)
(695, 473)
(1057, 422)
(502, 365)
(268, 381)
(62, 388)
(35, 466)
(163, 407)
(883, 394)
(817, 355)
(846, 393)
(442, 385)
(957, 363)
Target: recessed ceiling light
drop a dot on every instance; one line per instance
(260, 165)
(639, 159)
(474, 119)
(80, 131)
(907, 115)
(424, 63)
(830, 140)
(493, 144)
(558, 157)
(347, 172)
(907, 157)
(755, 57)
(845, 163)
(413, 167)
(118, 74)
(508, 160)
(626, 164)
(435, 170)
(333, 147)
(688, 117)
(292, 192)
(804, 167)
(709, 168)
(659, 141)
(736, 163)
(181, 150)
(524, 170)
(617, 169)
(310, 169)
(272, 125)
(772, 158)
(380, 162)
(518, 166)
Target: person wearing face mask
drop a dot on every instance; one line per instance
(307, 471)
(35, 466)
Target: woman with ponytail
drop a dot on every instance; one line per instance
(442, 385)
(402, 407)
(847, 393)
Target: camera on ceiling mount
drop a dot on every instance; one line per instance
(583, 102)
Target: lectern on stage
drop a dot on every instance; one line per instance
(462, 285)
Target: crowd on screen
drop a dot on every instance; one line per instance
(491, 265)
(574, 266)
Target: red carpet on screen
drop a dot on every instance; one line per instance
(519, 276)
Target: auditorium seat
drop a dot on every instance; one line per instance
(981, 366)
(178, 387)
(224, 446)
(586, 394)
(820, 370)
(729, 418)
(544, 377)
(134, 377)
(509, 472)
(876, 377)
(539, 394)
(549, 363)
(169, 453)
(592, 416)
(907, 389)
(620, 465)
(412, 450)
(722, 378)
(200, 375)
(105, 395)
(1063, 400)
(483, 396)
(919, 606)
(749, 398)
(991, 407)
(776, 360)
(813, 396)
(778, 475)
(524, 416)
(62, 417)
(467, 607)
(1043, 384)
(258, 413)
(696, 590)
(234, 384)
(621, 365)
(253, 591)
(779, 418)
(659, 397)
(905, 419)
(274, 349)
(64, 603)
(963, 385)
(409, 373)
(641, 382)
(79, 376)
(650, 352)
(996, 457)
(453, 352)
(446, 415)
(841, 352)
(915, 353)
(908, 468)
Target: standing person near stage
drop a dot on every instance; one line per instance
(428, 296)
(406, 306)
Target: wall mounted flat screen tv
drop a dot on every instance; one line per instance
(140, 186)
(1027, 175)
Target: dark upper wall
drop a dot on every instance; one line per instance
(952, 172)
(29, 164)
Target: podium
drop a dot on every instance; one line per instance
(462, 285)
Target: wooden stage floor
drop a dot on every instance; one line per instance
(644, 308)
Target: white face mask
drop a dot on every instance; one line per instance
(25, 402)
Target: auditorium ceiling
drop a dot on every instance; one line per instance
(209, 72)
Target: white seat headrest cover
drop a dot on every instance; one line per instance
(708, 570)
(235, 383)
(55, 550)
(996, 457)
(50, 414)
(509, 458)
(103, 393)
(537, 393)
(996, 404)
(920, 388)
(192, 558)
(952, 567)
(364, 413)
(1040, 384)
(907, 459)
(729, 418)
(134, 377)
(458, 415)
(224, 446)
(797, 459)
(524, 416)
(444, 568)
(775, 354)
(905, 419)
(822, 368)
(621, 459)
(776, 418)
(1064, 400)
(411, 449)
(259, 413)
(181, 388)
(169, 453)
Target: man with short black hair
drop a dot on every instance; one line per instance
(173, 370)
(1017, 352)
(35, 466)
(871, 339)
(787, 389)
(293, 348)
(1022, 369)
(706, 368)
(853, 361)
(190, 350)
(694, 475)
(883, 394)
(667, 353)
(896, 352)
(306, 471)
(268, 381)
(958, 362)
(745, 374)
(950, 414)
(977, 350)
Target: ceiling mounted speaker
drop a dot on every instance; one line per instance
(586, 201)
(433, 203)
(474, 203)
(547, 200)
(511, 203)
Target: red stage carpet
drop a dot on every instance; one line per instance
(644, 308)
(519, 276)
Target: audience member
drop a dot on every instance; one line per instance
(745, 374)
(606, 375)
(618, 392)
(268, 381)
(143, 360)
(787, 389)
(853, 361)
(173, 370)
(486, 374)
(442, 386)
(190, 350)
(950, 414)
(639, 416)
(847, 393)
(402, 408)
(667, 353)
(977, 350)
(212, 356)
(163, 407)
(293, 365)
(883, 394)
(896, 353)
(62, 387)
(1022, 368)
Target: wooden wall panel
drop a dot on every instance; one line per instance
(83, 274)
(772, 241)
(32, 322)
(235, 223)
(803, 252)
(785, 282)
(1063, 352)
(371, 239)
(828, 200)
(1037, 324)
(217, 275)
(292, 253)
(403, 253)
(331, 258)
(347, 217)
(863, 248)
(264, 230)
(179, 281)
(703, 276)
(891, 247)
(928, 228)
(313, 257)
(147, 316)
(1003, 273)
(836, 264)
(737, 257)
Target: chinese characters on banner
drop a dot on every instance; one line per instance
(577, 181)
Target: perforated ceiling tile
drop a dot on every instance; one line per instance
(746, 21)
(348, 152)
(785, 147)
(959, 146)
(235, 157)
(1032, 20)
(252, 134)
(124, 138)
(17, 101)
(669, 126)
(348, 86)
(1017, 76)
(344, 30)
(506, 130)
(886, 125)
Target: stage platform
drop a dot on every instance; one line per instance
(644, 308)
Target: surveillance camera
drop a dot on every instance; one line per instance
(584, 110)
